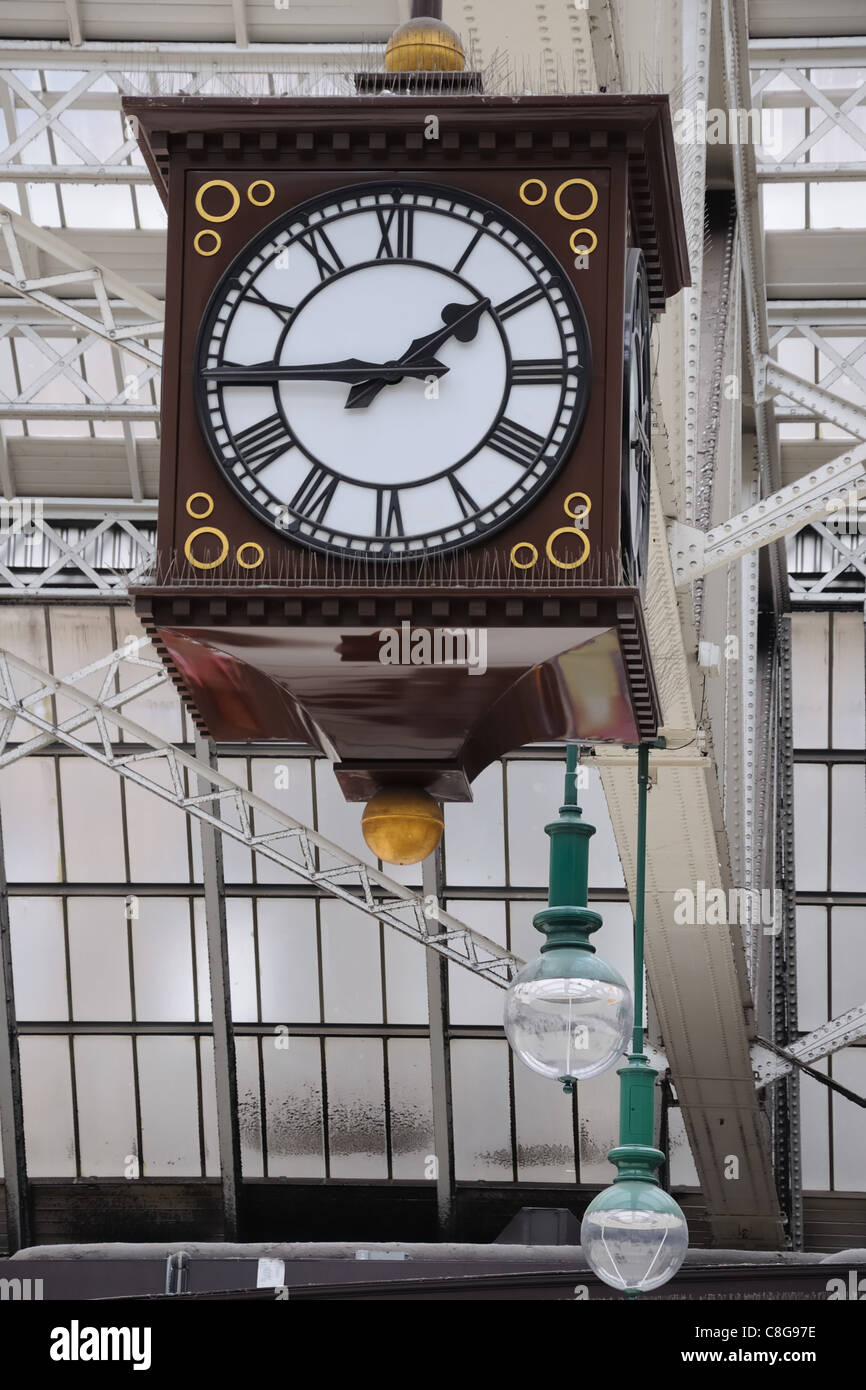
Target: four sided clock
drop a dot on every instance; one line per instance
(407, 387)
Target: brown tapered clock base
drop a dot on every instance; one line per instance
(254, 666)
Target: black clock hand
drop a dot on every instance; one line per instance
(352, 370)
(461, 322)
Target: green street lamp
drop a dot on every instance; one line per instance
(634, 1234)
(568, 1013)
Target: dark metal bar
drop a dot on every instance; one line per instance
(225, 1069)
(11, 1107)
(426, 9)
(440, 1055)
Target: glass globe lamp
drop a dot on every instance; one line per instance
(634, 1235)
(568, 1014)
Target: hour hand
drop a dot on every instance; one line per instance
(461, 322)
(352, 370)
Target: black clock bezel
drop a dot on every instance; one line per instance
(490, 211)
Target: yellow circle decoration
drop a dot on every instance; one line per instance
(206, 531)
(567, 564)
(580, 235)
(585, 511)
(206, 231)
(250, 564)
(533, 202)
(193, 497)
(223, 216)
(576, 216)
(402, 825)
(260, 202)
(523, 545)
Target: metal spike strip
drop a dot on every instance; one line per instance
(394, 904)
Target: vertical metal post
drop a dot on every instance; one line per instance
(426, 9)
(225, 1069)
(440, 1055)
(640, 894)
(11, 1108)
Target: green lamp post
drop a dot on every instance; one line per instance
(634, 1234)
(568, 1013)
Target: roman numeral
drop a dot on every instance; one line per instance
(468, 252)
(389, 518)
(465, 501)
(516, 441)
(258, 445)
(282, 311)
(316, 493)
(518, 302)
(320, 247)
(397, 233)
(537, 371)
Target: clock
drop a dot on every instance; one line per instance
(392, 371)
(636, 424)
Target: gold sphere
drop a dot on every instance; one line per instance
(424, 45)
(402, 825)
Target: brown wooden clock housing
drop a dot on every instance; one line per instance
(268, 633)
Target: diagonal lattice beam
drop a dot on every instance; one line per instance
(163, 769)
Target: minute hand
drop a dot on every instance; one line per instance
(352, 370)
(461, 321)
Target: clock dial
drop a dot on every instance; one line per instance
(636, 424)
(392, 371)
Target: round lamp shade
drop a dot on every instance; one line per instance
(568, 1014)
(634, 1235)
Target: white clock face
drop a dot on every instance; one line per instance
(392, 371)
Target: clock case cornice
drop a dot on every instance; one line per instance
(387, 133)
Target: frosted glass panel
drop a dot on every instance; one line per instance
(810, 827)
(605, 870)
(848, 871)
(24, 632)
(285, 784)
(814, 1132)
(92, 822)
(356, 1108)
(534, 796)
(46, 1084)
(682, 1165)
(598, 1126)
(31, 841)
(79, 636)
(811, 678)
(237, 861)
(159, 709)
(812, 1007)
(338, 820)
(351, 965)
(474, 834)
(38, 958)
(405, 978)
(106, 1105)
(849, 1122)
(99, 958)
(470, 999)
(242, 959)
(162, 955)
(202, 967)
(545, 1129)
(411, 1108)
(849, 720)
(293, 1105)
(169, 1107)
(249, 1106)
(849, 959)
(156, 833)
(482, 1132)
(288, 960)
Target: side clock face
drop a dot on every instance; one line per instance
(392, 371)
(636, 424)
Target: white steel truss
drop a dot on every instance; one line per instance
(768, 60)
(839, 1032)
(106, 552)
(253, 822)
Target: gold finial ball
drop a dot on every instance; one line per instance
(402, 825)
(424, 45)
